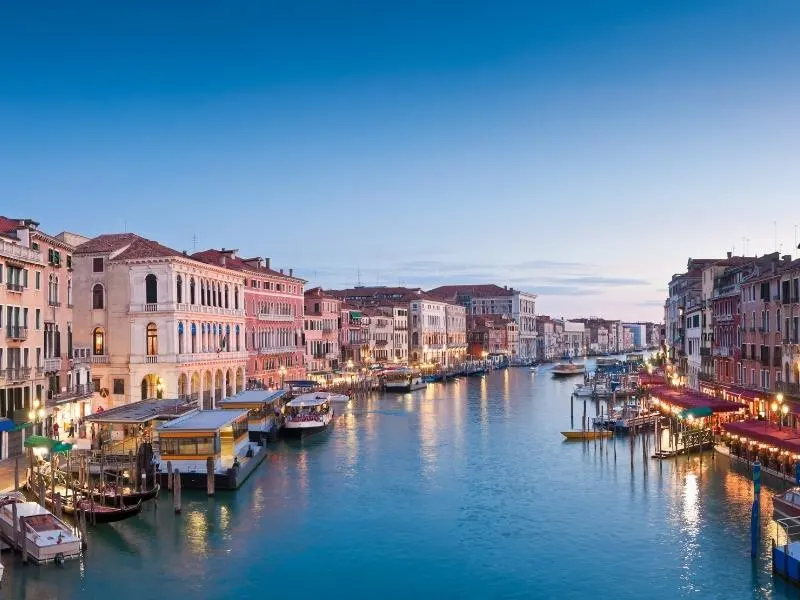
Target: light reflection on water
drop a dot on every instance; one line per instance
(467, 486)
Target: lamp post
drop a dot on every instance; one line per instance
(36, 416)
(784, 412)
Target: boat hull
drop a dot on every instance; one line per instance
(585, 435)
(301, 432)
(784, 509)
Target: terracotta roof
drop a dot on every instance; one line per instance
(108, 242)
(9, 226)
(485, 290)
(214, 257)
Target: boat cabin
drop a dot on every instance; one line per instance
(188, 441)
(263, 410)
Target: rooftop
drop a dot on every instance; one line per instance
(203, 420)
(253, 397)
(230, 260)
(486, 290)
(143, 411)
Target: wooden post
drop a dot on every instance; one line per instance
(91, 508)
(16, 543)
(52, 475)
(210, 475)
(83, 527)
(176, 490)
(169, 475)
(16, 474)
(23, 540)
(41, 491)
(57, 505)
(132, 479)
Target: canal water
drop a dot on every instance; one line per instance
(463, 490)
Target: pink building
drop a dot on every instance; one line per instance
(273, 302)
(322, 316)
(354, 336)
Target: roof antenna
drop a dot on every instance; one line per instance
(358, 275)
(194, 243)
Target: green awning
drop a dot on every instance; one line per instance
(61, 447)
(39, 441)
(22, 426)
(700, 411)
(355, 314)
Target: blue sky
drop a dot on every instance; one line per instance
(581, 150)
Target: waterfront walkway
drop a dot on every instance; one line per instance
(7, 474)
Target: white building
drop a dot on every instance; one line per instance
(573, 339)
(428, 329)
(693, 343)
(490, 299)
(156, 323)
(456, 325)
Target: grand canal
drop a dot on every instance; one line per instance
(463, 490)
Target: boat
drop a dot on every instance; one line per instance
(110, 494)
(96, 512)
(338, 398)
(402, 380)
(534, 369)
(586, 434)
(583, 390)
(308, 413)
(567, 369)
(787, 504)
(48, 537)
(434, 378)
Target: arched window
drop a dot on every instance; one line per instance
(194, 337)
(226, 296)
(237, 339)
(180, 337)
(179, 290)
(98, 297)
(69, 292)
(202, 293)
(191, 290)
(152, 339)
(145, 389)
(236, 298)
(151, 289)
(98, 341)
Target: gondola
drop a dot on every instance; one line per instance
(110, 497)
(95, 511)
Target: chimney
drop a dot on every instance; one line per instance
(730, 254)
(266, 262)
(281, 271)
(291, 272)
(787, 258)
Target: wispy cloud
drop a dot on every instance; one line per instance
(596, 280)
(650, 303)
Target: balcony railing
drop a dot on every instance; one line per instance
(184, 307)
(15, 332)
(81, 355)
(10, 250)
(54, 303)
(71, 393)
(14, 287)
(207, 356)
(268, 316)
(52, 364)
(277, 349)
(15, 374)
(100, 359)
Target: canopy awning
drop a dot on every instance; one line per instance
(696, 413)
(767, 433)
(39, 441)
(7, 425)
(687, 399)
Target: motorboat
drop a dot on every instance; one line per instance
(586, 434)
(583, 390)
(403, 380)
(338, 398)
(308, 413)
(787, 504)
(48, 538)
(567, 369)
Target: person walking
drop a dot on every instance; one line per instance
(55, 430)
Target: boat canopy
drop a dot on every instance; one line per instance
(696, 413)
(301, 383)
(312, 399)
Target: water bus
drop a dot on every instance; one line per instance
(307, 414)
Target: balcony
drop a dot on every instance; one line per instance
(52, 364)
(184, 307)
(81, 355)
(99, 359)
(208, 356)
(705, 377)
(705, 351)
(15, 374)
(14, 287)
(267, 316)
(723, 318)
(54, 303)
(69, 394)
(15, 332)
(277, 349)
(327, 330)
(10, 250)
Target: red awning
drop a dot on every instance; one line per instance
(689, 399)
(761, 431)
(743, 393)
(651, 379)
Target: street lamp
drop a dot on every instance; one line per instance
(36, 416)
(784, 412)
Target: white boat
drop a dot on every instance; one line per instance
(308, 413)
(567, 369)
(534, 369)
(339, 398)
(583, 390)
(48, 538)
(403, 380)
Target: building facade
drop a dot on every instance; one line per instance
(321, 326)
(156, 323)
(274, 305)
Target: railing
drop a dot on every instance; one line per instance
(52, 364)
(16, 374)
(76, 391)
(788, 388)
(15, 332)
(10, 250)
(327, 330)
(206, 356)
(151, 359)
(275, 317)
(277, 349)
(54, 303)
(151, 307)
(99, 359)
(81, 355)
(723, 318)
(14, 287)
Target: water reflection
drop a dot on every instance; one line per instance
(428, 428)
(197, 531)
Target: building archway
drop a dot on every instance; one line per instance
(239, 380)
(207, 391)
(218, 386)
(182, 386)
(228, 383)
(152, 386)
(195, 387)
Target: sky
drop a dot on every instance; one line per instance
(579, 150)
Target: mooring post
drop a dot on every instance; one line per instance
(755, 513)
(176, 490)
(169, 475)
(210, 475)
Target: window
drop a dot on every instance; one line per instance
(38, 318)
(195, 446)
(191, 290)
(179, 290)
(96, 384)
(152, 339)
(69, 261)
(151, 289)
(38, 280)
(97, 265)
(98, 342)
(236, 298)
(98, 297)
(119, 386)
